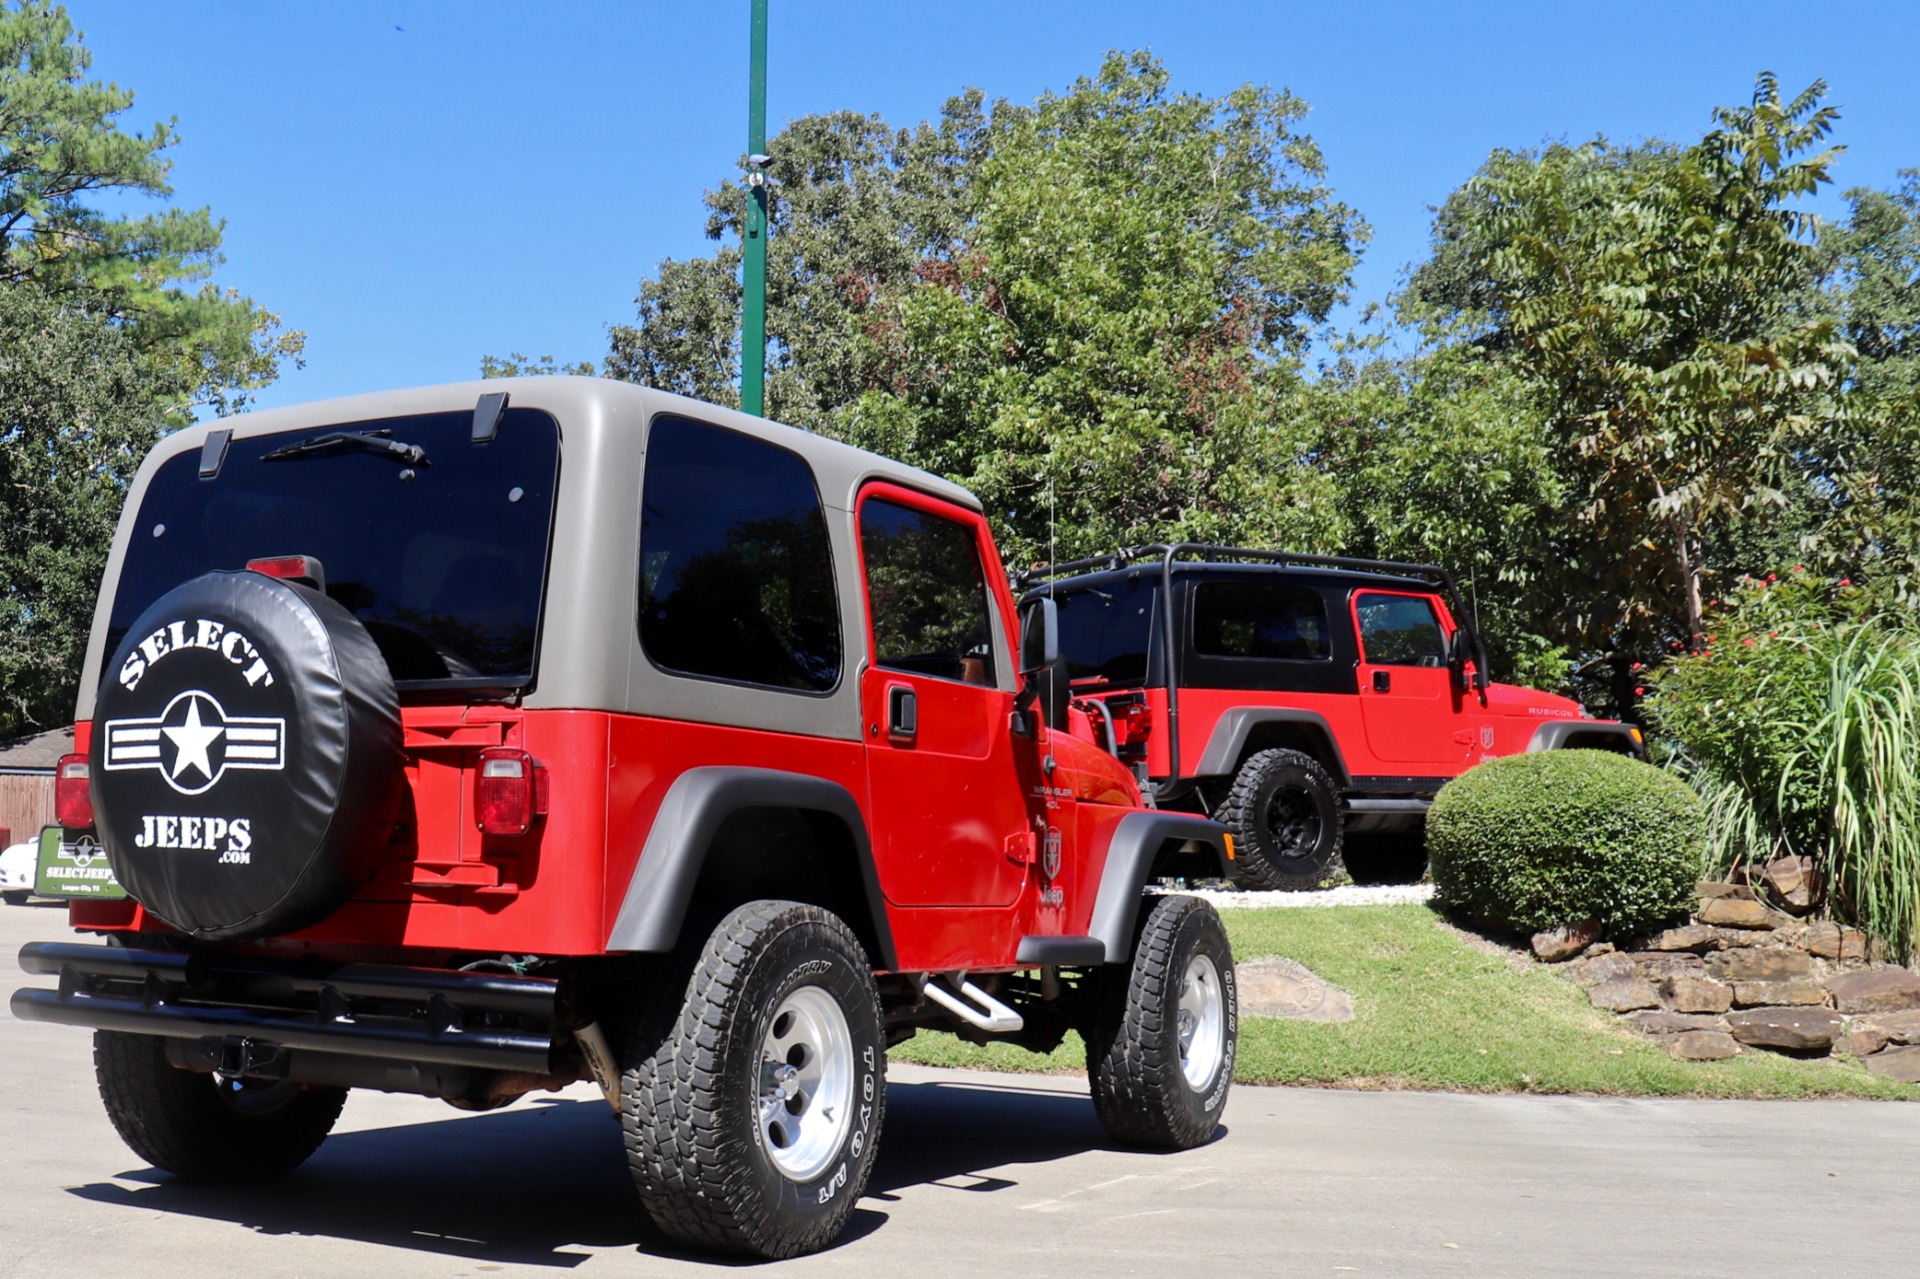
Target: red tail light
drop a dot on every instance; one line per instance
(304, 569)
(73, 792)
(510, 792)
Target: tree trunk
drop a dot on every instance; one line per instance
(1686, 557)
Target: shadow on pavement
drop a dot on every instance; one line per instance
(540, 1183)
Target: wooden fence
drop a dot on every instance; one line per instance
(26, 804)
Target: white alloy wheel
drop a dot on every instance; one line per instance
(1203, 1022)
(806, 1083)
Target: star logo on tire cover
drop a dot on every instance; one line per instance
(193, 741)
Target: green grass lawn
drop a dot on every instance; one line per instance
(1437, 1009)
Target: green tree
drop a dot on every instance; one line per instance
(1875, 257)
(110, 333)
(1089, 309)
(1867, 461)
(61, 150)
(854, 207)
(1655, 297)
(1103, 352)
(78, 410)
(518, 365)
(1446, 455)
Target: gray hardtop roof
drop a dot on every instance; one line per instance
(590, 654)
(1214, 569)
(582, 404)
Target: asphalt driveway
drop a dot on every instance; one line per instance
(994, 1174)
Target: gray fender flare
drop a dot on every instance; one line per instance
(696, 805)
(1131, 853)
(1558, 735)
(1229, 738)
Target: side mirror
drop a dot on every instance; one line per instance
(1039, 636)
(1043, 675)
(1459, 653)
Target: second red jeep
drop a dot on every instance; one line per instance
(1296, 698)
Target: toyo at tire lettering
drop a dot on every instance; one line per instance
(752, 1108)
(246, 756)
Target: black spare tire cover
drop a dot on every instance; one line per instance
(247, 762)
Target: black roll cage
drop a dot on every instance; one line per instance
(1168, 553)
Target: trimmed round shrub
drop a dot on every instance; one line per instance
(1531, 842)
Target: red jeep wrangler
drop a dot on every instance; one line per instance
(1297, 698)
(478, 739)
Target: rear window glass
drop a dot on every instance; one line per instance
(443, 560)
(736, 575)
(1282, 620)
(1108, 633)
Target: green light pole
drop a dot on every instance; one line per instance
(753, 320)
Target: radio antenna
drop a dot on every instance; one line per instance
(1053, 519)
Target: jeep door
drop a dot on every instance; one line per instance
(1408, 703)
(947, 788)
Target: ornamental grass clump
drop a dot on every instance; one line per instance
(1800, 727)
(1536, 841)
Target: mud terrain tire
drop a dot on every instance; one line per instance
(1285, 818)
(752, 1121)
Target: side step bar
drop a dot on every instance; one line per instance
(1389, 805)
(974, 1006)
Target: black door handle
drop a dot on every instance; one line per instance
(903, 714)
(1383, 681)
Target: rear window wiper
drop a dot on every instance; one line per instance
(376, 441)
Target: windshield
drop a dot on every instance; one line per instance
(443, 561)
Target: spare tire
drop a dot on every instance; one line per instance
(247, 764)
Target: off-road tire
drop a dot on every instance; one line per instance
(1284, 813)
(202, 1128)
(697, 1075)
(1142, 1061)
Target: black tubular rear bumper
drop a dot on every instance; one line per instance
(486, 1021)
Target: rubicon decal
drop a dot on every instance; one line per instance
(194, 741)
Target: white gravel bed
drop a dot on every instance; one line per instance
(1348, 895)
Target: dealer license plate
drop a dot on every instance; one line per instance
(73, 863)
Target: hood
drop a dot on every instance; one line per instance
(1531, 703)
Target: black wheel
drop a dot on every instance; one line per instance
(16, 899)
(202, 1127)
(1285, 819)
(1165, 1029)
(753, 1118)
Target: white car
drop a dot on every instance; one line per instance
(17, 865)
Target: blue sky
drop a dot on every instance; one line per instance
(415, 184)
